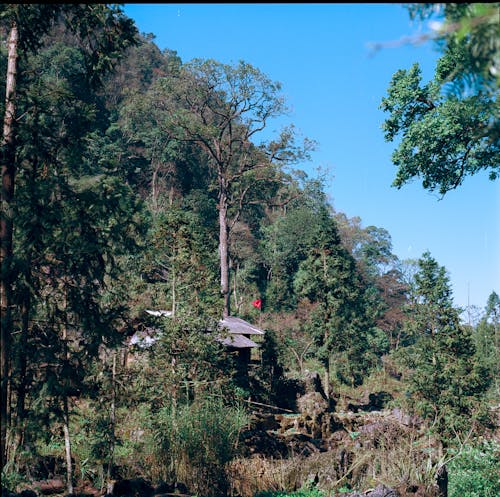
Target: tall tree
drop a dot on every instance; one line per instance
(328, 277)
(487, 340)
(222, 108)
(287, 238)
(24, 34)
(447, 382)
(101, 32)
(6, 224)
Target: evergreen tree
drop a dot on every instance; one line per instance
(328, 277)
(447, 383)
(487, 340)
(60, 252)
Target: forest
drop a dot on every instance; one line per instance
(183, 310)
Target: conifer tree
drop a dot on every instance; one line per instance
(71, 47)
(328, 277)
(447, 384)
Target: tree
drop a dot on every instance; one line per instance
(472, 25)
(185, 383)
(449, 128)
(328, 278)
(286, 240)
(487, 340)
(447, 384)
(24, 25)
(179, 263)
(101, 33)
(221, 109)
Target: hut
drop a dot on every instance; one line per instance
(238, 339)
(233, 332)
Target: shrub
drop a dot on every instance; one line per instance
(195, 441)
(475, 471)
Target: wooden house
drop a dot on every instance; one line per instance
(234, 333)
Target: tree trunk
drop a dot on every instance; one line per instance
(174, 294)
(6, 229)
(154, 189)
(223, 252)
(22, 371)
(67, 438)
(67, 446)
(112, 418)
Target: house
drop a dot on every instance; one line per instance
(234, 334)
(238, 339)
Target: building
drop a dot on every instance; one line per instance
(234, 333)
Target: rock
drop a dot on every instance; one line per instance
(136, 487)
(406, 419)
(414, 491)
(312, 404)
(302, 445)
(383, 491)
(87, 490)
(376, 401)
(265, 422)
(380, 491)
(48, 487)
(312, 383)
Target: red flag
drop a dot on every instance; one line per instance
(257, 303)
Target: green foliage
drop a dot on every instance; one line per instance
(198, 362)
(338, 322)
(472, 28)
(11, 478)
(179, 265)
(474, 472)
(487, 342)
(195, 441)
(447, 384)
(448, 127)
(122, 181)
(285, 244)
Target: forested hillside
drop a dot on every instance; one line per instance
(133, 181)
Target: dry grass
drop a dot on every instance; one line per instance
(388, 454)
(249, 476)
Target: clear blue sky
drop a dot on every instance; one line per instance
(334, 85)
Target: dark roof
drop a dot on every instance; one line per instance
(236, 327)
(239, 326)
(237, 342)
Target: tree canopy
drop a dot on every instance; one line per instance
(448, 128)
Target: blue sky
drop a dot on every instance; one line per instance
(334, 84)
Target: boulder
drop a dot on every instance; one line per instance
(313, 404)
(49, 487)
(312, 383)
(380, 491)
(383, 491)
(135, 487)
